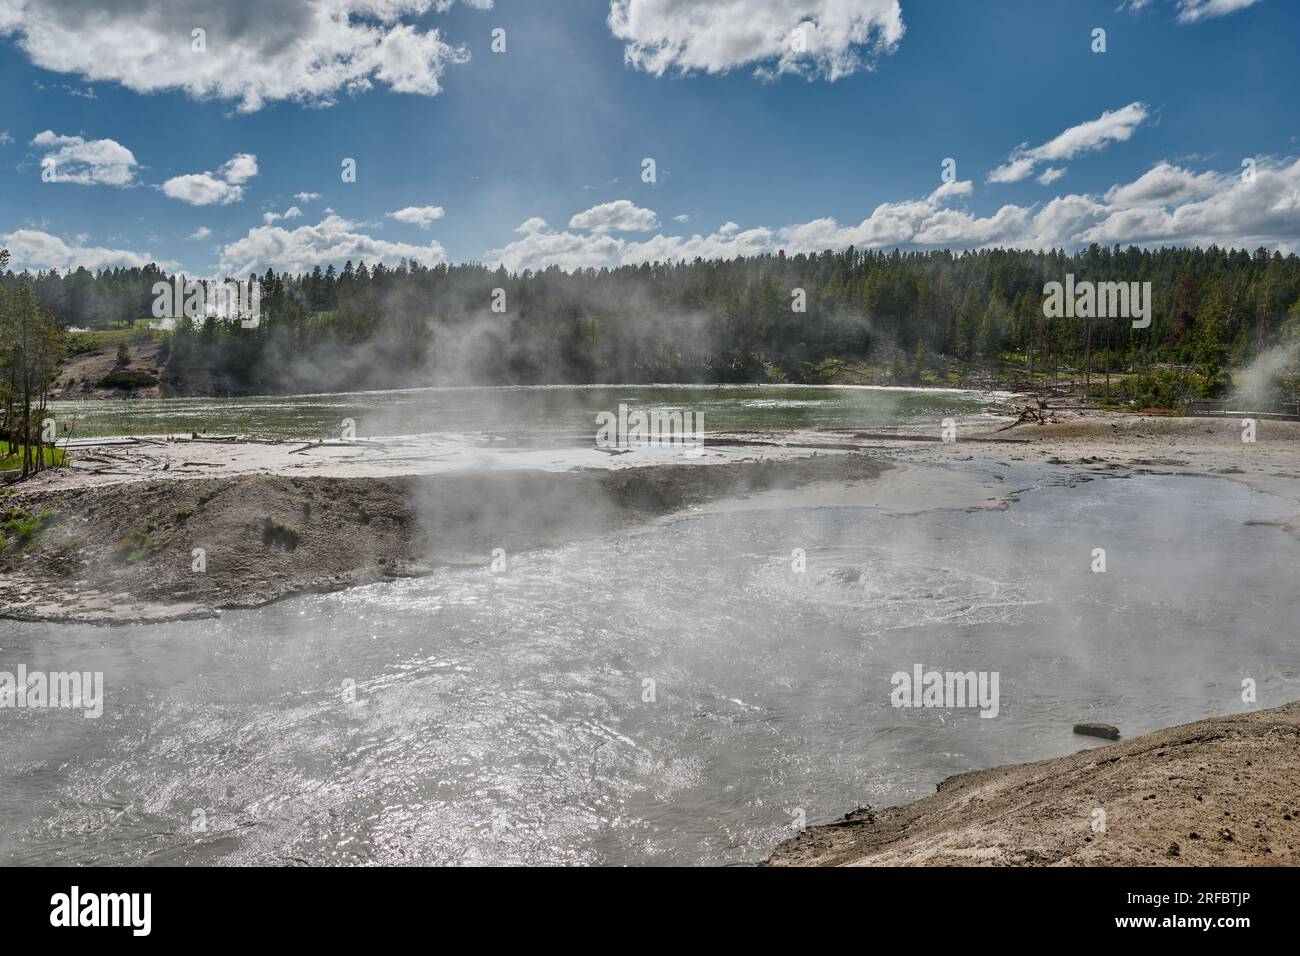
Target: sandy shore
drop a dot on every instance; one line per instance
(1223, 791)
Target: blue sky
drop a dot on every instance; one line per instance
(759, 145)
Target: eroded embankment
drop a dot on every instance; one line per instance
(1223, 791)
(168, 549)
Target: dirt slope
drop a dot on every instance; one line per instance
(1223, 791)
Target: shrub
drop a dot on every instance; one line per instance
(127, 379)
(274, 533)
(20, 528)
(136, 546)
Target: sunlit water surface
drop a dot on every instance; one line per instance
(509, 717)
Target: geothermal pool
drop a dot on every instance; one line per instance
(480, 717)
(514, 409)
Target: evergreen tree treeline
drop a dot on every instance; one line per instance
(700, 321)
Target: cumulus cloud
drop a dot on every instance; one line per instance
(254, 51)
(293, 212)
(201, 233)
(34, 249)
(952, 190)
(239, 169)
(1111, 126)
(422, 216)
(87, 162)
(1167, 205)
(1050, 175)
(206, 189)
(535, 224)
(1165, 183)
(334, 240)
(305, 198)
(568, 250)
(618, 216)
(813, 38)
(5, 138)
(202, 189)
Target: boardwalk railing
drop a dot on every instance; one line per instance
(1218, 408)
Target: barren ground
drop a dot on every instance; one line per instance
(1223, 792)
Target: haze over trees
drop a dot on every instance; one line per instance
(706, 321)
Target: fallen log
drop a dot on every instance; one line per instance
(1108, 731)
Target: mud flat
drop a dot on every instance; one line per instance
(155, 528)
(1223, 791)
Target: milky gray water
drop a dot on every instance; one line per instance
(512, 410)
(506, 717)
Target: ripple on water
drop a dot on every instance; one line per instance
(678, 694)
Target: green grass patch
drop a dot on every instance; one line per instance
(127, 378)
(20, 528)
(136, 546)
(11, 457)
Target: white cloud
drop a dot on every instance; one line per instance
(202, 189)
(535, 224)
(727, 228)
(257, 51)
(305, 198)
(86, 162)
(567, 250)
(1177, 206)
(1192, 11)
(682, 217)
(1012, 171)
(618, 216)
(5, 138)
(1111, 126)
(661, 248)
(34, 249)
(1167, 205)
(952, 190)
(1050, 175)
(333, 240)
(205, 189)
(1165, 183)
(239, 169)
(293, 212)
(835, 38)
(201, 233)
(422, 216)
